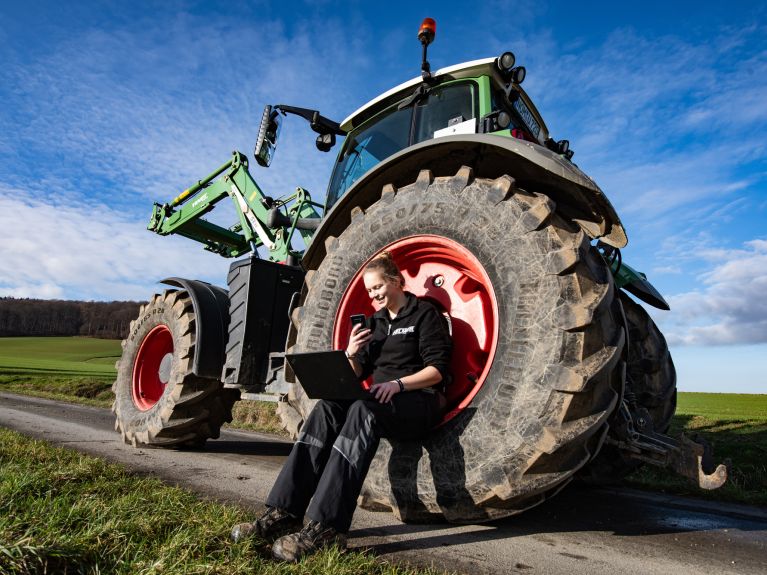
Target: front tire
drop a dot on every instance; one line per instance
(546, 369)
(158, 400)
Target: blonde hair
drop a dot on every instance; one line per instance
(384, 264)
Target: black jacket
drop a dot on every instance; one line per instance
(416, 338)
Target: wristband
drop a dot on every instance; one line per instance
(350, 355)
(401, 385)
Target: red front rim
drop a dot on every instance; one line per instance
(151, 370)
(447, 274)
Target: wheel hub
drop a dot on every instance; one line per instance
(445, 273)
(152, 367)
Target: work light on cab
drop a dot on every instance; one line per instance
(505, 63)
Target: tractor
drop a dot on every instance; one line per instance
(557, 372)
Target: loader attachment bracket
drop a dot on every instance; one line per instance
(633, 434)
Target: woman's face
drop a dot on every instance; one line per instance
(380, 289)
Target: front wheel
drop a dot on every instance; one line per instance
(537, 363)
(158, 400)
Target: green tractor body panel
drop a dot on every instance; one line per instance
(636, 283)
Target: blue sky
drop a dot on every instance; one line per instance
(106, 108)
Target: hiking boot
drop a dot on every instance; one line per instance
(309, 540)
(273, 523)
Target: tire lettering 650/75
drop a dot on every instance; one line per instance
(143, 320)
(438, 208)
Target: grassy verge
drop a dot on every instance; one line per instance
(65, 512)
(736, 426)
(86, 390)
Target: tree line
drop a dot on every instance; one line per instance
(39, 317)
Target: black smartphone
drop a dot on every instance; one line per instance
(358, 319)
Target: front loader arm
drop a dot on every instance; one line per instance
(184, 214)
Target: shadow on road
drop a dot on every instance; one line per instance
(249, 447)
(577, 509)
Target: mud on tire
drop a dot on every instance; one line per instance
(187, 409)
(557, 372)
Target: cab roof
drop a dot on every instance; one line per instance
(471, 69)
(464, 70)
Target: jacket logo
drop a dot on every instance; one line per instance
(403, 330)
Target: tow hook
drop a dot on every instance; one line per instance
(633, 434)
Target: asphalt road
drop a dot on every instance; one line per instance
(581, 531)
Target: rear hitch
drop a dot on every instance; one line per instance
(633, 434)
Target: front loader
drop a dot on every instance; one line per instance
(557, 371)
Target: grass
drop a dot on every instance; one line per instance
(735, 424)
(65, 512)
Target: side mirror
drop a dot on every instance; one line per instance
(268, 132)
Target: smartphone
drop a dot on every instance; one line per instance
(358, 318)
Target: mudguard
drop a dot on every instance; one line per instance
(490, 156)
(636, 283)
(211, 312)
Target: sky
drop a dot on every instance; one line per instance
(108, 107)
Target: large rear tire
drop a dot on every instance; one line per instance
(158, 400)
(545, 369)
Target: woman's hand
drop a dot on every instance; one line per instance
(383, 392)
(359, 339)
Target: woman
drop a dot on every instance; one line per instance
(407, 352)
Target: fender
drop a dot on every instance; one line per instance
(211, 311)
(635, 282)
(531, 165)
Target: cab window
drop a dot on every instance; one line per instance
(395, 130)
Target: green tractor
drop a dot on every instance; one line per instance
(557, 372)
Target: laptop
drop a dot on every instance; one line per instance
(327, 375)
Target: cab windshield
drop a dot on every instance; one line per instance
(394, 130)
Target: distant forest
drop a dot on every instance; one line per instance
(40, 317)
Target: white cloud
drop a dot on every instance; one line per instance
(663, 124)
(729, 307)
(90, 252)
(145, 111)
(667, 270)
(117, 118)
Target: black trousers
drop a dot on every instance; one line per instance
(332, 454)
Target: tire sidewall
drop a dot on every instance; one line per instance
(158, 312)
(508, 415)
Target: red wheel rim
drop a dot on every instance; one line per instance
(447, 274)
(151, 370)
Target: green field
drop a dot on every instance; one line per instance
(59, 355)
(723, 406)
(81, 370)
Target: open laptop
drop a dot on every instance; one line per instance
(327, 375)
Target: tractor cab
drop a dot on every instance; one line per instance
(481, 96)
